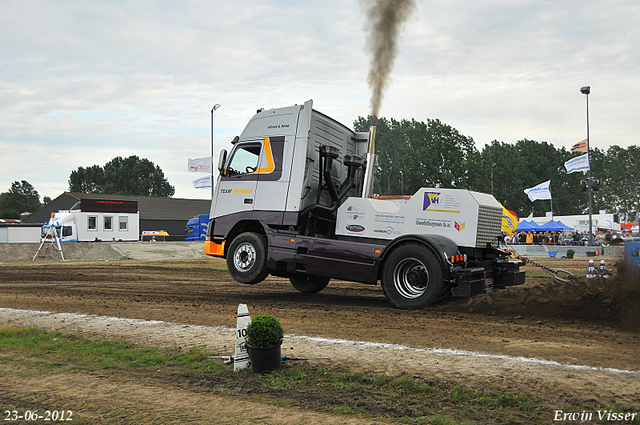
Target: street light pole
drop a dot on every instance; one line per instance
(586, 90)
(216, 106)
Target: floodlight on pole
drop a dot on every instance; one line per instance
(586, 90)
(216, 106)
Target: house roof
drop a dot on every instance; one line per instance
(149, 207)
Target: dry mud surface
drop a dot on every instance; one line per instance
(570, 343)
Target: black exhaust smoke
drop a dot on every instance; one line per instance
(384, 22)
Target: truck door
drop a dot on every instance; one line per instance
(273, 180)
(237, 187)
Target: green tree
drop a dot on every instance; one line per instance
(21, 197)
(87, 180)
(567, 195)
(508, 169)
(122, 176)
(499, 163)
(619, 173)
(414, 154)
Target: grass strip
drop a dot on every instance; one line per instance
(302, 384)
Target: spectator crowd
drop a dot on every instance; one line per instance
(600, 238)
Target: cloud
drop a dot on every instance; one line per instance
(81, 83)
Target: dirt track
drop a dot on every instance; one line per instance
(593, 323)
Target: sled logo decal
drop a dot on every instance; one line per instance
(430, 198)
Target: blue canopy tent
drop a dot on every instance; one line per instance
(548, 227)
(563, 226)
(525, 226)
(553, 226)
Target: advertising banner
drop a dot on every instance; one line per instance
(579, 163)
(541, 191)
(200, 165)
(202, 182)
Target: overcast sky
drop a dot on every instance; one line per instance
(82, 82)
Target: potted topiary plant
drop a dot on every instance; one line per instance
(570, 253)
(264, 343)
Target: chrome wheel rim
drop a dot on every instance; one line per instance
(411, 278)
(245, 257)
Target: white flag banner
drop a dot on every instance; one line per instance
(541, 191)
(200, 165)
(202, 182)
(579, 163)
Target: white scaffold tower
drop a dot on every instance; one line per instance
(49, 234)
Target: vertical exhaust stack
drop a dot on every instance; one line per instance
(367, 187)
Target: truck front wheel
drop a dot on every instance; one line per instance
(247, 258)
(309, 284)
(412, 277)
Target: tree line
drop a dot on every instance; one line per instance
(20, 198)
(414, 154)
(121, 176)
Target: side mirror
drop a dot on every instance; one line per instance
(221, 161)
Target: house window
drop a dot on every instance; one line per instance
(124, 223)
(92, 222)
(108, 223)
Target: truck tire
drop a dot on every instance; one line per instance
(247, 258)
(309, 284)
(412, 277)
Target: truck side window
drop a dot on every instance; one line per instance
(245, 159)
(92, 222)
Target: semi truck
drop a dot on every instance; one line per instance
(294, 199)
(196, 229)
(93, 220)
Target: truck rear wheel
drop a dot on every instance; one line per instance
(412, 277)
(309, 284)
(247, 258)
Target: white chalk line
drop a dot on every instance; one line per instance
(363, 344)
(465, 353)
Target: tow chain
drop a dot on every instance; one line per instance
(557, 274)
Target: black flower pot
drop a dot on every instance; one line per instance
(265, 360)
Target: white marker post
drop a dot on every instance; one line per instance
(241, 356)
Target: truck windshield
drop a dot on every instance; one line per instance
(47, 232)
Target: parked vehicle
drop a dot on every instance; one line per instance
(197, 227)
(95, 220)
